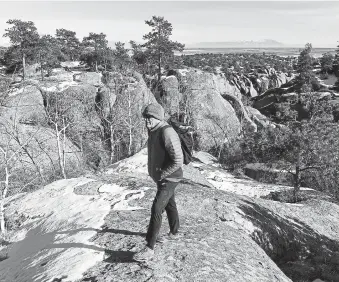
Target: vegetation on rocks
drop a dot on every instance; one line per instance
(240, 63)
(305, 145)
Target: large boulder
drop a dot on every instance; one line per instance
(169, 95)
(259, 119)
(264, 84)
(25, 104)
(251, 90)
(214, 118)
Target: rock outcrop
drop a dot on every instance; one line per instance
(252, 85)
(214, 118)
(87, 229)
(268, 102)
(169, 94)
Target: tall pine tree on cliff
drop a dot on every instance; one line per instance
(159, 48)
(306, 78)
(24, 37)
(99, 49)
(70, 44)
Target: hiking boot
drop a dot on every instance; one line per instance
(169, 236)
(172, 236)
(161, 239)
(146, 254)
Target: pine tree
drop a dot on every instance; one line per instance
(48, 53)
(98, 49)
(306, 78)
(24, 38)
(121, 57)
(70, 44)
(159, 48)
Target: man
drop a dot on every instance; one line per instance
(165, 160)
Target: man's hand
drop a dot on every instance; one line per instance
(162, 182)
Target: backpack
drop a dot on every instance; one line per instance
(185, 137)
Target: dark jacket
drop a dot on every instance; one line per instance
(165, 158)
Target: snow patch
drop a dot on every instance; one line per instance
(14, 92)
(135, 164)
(70, 64)
(225, 181)
(61, 86)
(123, 205)
(122, 196)
(239, 221)
(55, 238)
(205, 158)
(58, 224)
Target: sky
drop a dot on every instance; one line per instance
(289, 22)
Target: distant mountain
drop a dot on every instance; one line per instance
(267, 43)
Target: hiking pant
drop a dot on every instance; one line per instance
(164, 200)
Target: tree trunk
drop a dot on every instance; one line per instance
(23, 66)
(42, 71)
(112, 156)
(96, 66)
(64, 146)
(159, 67)
(130, 125)
(34, 163)
(3, 197)
(296, 183)
(61, 164)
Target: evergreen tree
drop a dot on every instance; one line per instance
(48, 54)
(306, 78)
(70, 44)
(121, 57)
(326, 62)
(159, 48)
(24, 38)
(97, 49)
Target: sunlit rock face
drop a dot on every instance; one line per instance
(214, 118)
(84, 227)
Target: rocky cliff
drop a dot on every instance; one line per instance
(88, 228)
(215, 105)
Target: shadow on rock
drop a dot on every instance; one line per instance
(123, 232)
(119, 256)
(300, 252)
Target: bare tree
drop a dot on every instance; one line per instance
(61, 115)
(117, 107)
(11, 155)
